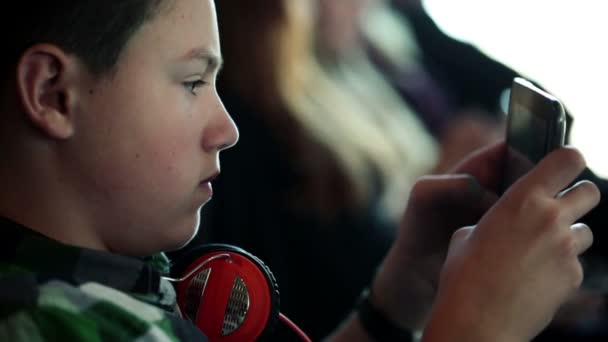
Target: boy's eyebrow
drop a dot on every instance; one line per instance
(210, 58)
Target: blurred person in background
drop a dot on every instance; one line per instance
(364, 43)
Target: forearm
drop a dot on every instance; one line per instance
(455, 321)
(408, 306)
(371, 323)
(441, 328)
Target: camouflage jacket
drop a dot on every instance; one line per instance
(50, 291)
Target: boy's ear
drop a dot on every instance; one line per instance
(46, 78)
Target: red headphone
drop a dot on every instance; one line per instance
(229, 294)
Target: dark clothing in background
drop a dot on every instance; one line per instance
(469, 76)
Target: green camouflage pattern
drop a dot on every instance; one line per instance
(54, 292)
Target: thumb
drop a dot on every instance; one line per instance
(457, 244)
(460, 236)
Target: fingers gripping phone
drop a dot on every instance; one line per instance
(536, 125)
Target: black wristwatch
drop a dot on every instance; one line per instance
(377, 325)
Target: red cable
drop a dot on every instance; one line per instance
(294, 327)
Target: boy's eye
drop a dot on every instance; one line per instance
(192, 86)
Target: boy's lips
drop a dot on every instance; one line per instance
(210, 178)
(205, 184)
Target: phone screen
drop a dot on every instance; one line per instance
(526, 137)
(528, 133)
(535, 127)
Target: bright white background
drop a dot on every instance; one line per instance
(561, 44)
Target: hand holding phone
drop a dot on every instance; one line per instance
(536, 125)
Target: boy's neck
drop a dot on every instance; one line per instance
(37, 198)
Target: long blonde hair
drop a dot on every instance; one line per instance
(346, 154)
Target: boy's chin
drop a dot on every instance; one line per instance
(183, 236)
(179, 245)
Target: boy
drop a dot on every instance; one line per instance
(111, 131)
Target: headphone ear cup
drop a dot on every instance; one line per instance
(234, 297)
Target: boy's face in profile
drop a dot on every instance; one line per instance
(147, 138)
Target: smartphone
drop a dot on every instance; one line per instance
(536, 125)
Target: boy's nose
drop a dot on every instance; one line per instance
(222, 132)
